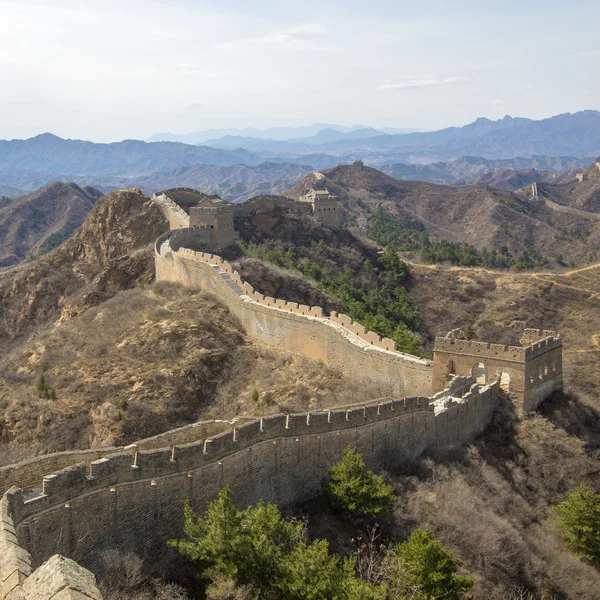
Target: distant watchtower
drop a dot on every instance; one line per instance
(531, 371)
(324, 206)
(357, 165)
(206, 212)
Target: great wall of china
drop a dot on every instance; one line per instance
(62, 511)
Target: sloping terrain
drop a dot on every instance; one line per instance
(509, 179)
(111, 251)
(471, 169)
(483, 217)
(582, 195)
(38, 222)
(122, 360)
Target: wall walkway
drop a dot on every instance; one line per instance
(337, 340)
(134, 501)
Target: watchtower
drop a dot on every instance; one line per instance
(531, 372)
(217, 216)
(209, 212)
(324, 206)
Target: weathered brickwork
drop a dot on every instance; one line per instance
(134, 501)
(335, 340)
(29, 473)
(531, 372)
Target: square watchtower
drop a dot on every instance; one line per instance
(324, 206)
(531, 372)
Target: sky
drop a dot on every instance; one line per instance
(111, 70)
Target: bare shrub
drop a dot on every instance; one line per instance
(370, 557)
(225, 589)
(123, 571)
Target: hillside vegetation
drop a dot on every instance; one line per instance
(480, 217)
(340, 271)
(37, 223)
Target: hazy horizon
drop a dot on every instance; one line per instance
(106, 71)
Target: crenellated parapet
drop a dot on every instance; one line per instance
(530, 372)
(133, 501)
(347, 326)
(479, 349)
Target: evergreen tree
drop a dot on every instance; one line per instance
(577, 520)
(422, 569)
(352, 487)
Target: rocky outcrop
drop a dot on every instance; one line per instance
(110, 252)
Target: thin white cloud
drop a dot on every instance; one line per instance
(587, 54)
(413, 84)
(300, 34)
(499, 102)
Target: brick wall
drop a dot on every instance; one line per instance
(134, 502)
(336, 341)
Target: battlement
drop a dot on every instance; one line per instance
(482, 349)
(135, 465)
(369, 338)
(542, 346)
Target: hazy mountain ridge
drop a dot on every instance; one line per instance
(270, 133)
(576, 134)
(469, 169)
(48, 152)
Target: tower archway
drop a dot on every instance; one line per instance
(479, 373)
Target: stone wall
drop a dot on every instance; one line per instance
(336, 340)
(176, 216)
(134, 502)
(530, 372)
(29, 473)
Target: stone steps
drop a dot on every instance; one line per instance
(237, 290)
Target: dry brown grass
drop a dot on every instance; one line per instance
(491, 505)
(146, 361)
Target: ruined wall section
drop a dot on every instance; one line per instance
(135, 502)
(336, 340)
(534, 371)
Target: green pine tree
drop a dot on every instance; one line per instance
(352, 487)
(422, 569)
(577, 520)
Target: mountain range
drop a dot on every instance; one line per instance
(271, 133)
(575, 134)
(554, 145)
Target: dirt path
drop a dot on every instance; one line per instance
(536, 275)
